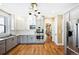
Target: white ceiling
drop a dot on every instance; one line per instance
(47, 9)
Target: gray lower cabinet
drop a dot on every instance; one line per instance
(2, 47)
(10, 43)
(14, 41)
(18, 39)
(23, 39)
(31, 39)
(27, 39)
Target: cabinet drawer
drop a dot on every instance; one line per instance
(1, 42)
(8, 40)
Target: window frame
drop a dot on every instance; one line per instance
(3, 24)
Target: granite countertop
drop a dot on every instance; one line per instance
(1, 39)
(6, 37)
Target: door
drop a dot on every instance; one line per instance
(55, 31)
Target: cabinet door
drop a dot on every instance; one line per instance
(9, 44)
(14, 41)
(66, 16)
(2, 47)
(18, 39)
(37, 23)
(33, 38)
(29, 39)
(24, 39)
(20, 24)
(42, 23)
(74, 14)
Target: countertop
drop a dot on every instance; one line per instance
(18, 33)
(6, 37)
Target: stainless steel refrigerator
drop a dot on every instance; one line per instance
(72, 38)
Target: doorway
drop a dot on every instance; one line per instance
(48, 29)
(48, 33)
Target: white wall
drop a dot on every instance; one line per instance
(20, 23)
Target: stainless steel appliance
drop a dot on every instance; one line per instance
(72, 38)
(40, 33)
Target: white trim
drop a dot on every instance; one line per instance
(63, 26)
(59, 43)
(72, 50)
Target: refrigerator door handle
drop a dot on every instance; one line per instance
(77, 37)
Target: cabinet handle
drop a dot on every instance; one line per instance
(12, 39)
(77, 38)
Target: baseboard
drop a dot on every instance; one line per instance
(60, 44)
(30, 43)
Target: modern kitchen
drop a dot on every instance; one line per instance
(39, 29)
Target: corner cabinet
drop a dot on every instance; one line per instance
(10, 43)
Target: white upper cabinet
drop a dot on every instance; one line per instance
(74, 13)
(30, 20)
(1, 20)
(12, 22)
(40, 21)
(20, 23)
(66, 16)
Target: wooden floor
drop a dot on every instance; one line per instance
(49, 48)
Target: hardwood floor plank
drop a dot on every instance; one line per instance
(46, 49)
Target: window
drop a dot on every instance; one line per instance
(2, 26)
(5, 23)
